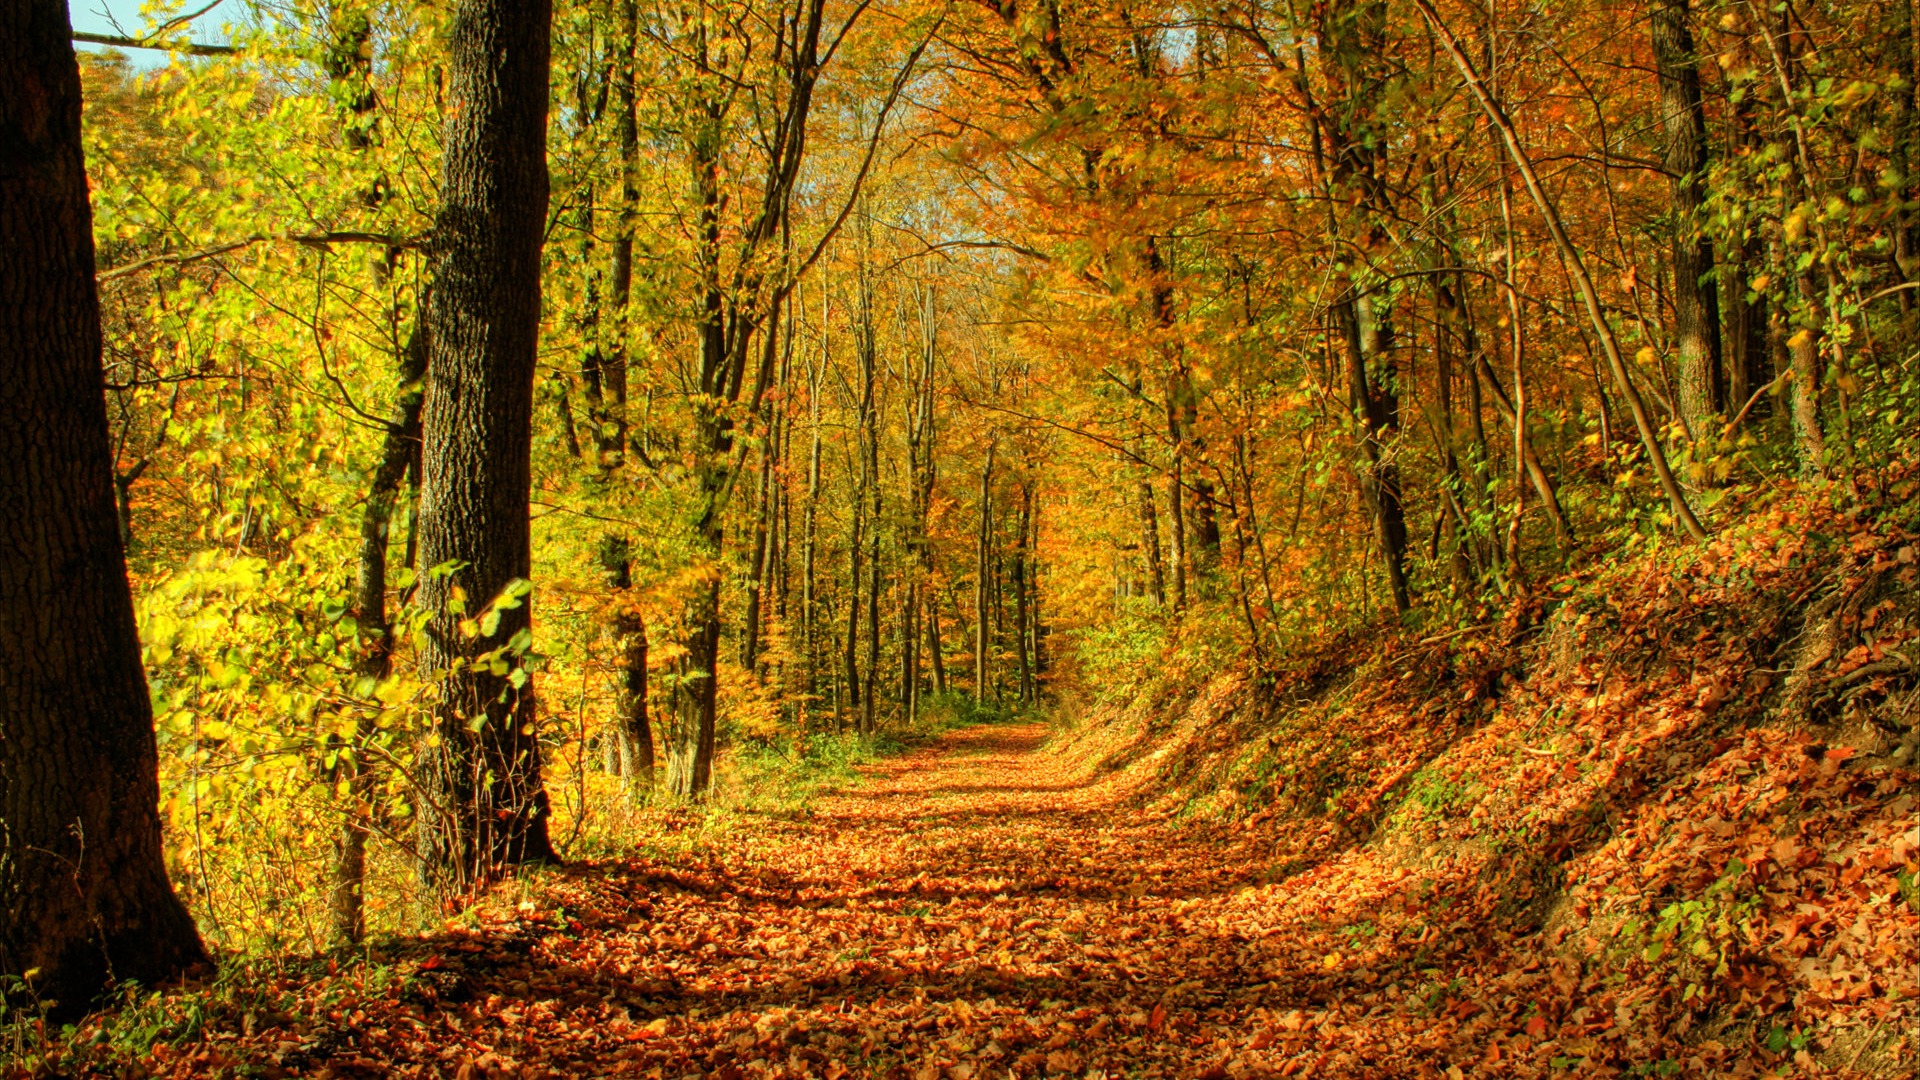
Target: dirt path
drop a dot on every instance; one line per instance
(970, 910)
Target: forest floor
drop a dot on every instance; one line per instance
(972, 908)
(977, 907)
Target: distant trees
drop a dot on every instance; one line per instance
(84, 895)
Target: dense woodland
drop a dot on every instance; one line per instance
(518, 422)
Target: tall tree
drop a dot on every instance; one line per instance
(486, 806)
(1353, 56)
(1696, 305)
(84, 895)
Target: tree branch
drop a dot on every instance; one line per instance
(191, 48)
(306, 239)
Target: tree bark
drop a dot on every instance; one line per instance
(84, 895)
(1150, 540)
(1020, 585)
(350, 68)
(1376, 405)
(612, 441)
(632, 732)
(1696, 307)
(1354, 41)
(486, 807)
(983, 570)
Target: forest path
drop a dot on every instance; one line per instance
(972, 909)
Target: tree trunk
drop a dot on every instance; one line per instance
(850, 668)
(1177, 523)
(1749, 361)
(398, 447)
(633, 735)
(934, 648)
(760, 553)
(612, 439)
(695, 696)
(485, 806)
(1375, 406)
(1020, 561)
(1695, 305)
(809, 538)
(84, 895)
(1150, 539)
(982, 585)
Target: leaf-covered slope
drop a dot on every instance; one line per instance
(1660, 817)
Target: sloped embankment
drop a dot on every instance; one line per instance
(1660, 818)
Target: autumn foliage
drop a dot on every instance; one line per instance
(1349, 538)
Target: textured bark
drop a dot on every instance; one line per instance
(486, 807)
(1696, 307)
(84, 895)
(695, 696)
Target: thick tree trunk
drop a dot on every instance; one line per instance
(1696, 306)
(84, 896)
(486, 807)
